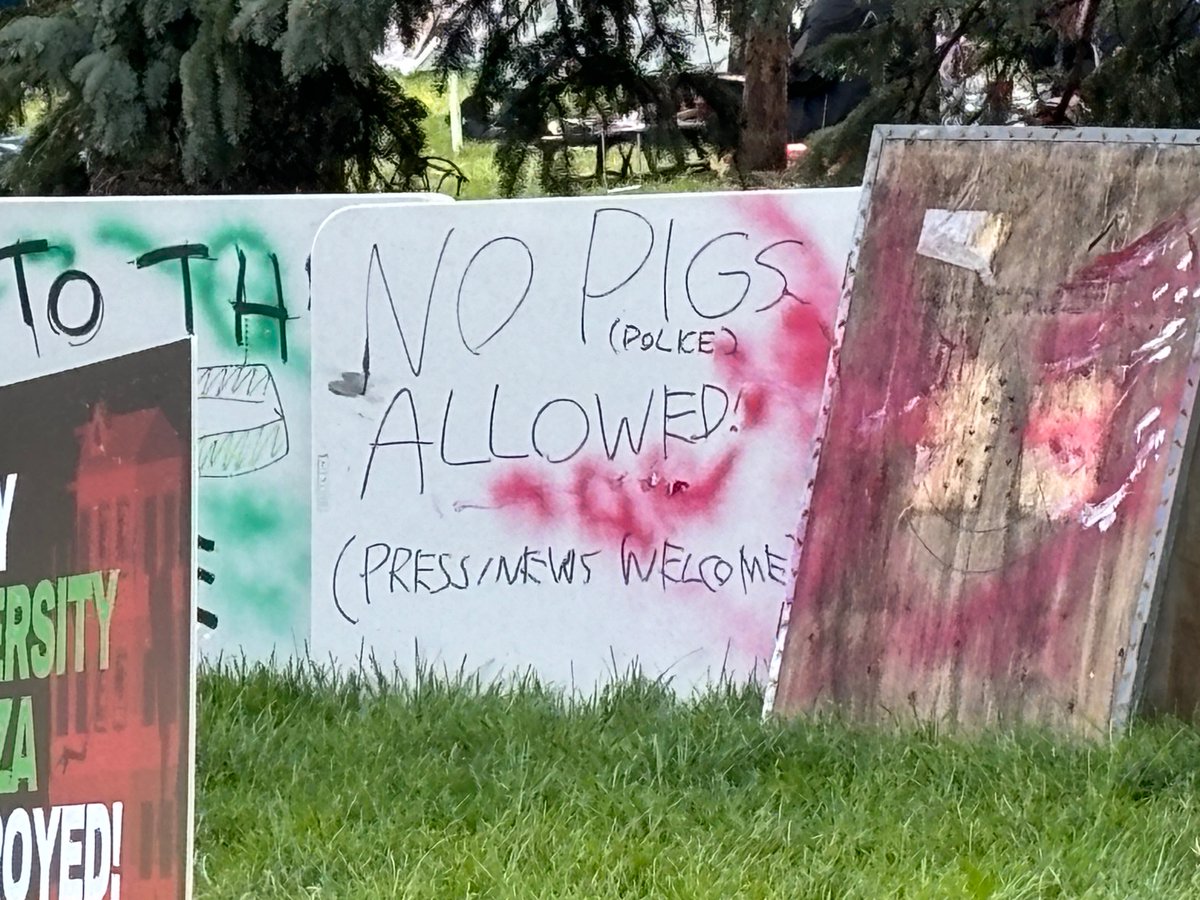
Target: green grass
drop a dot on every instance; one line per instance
(475, 157)
(310, 786)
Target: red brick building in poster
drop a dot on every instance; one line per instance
(120, 734)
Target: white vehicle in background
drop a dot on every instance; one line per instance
(10, 145)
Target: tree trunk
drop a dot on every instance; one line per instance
(737, 52)
(764, 97)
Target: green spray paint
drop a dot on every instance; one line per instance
(123, 237)
(261, 529)
(214, 285)
(263, 549)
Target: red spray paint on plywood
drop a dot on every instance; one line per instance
(990, 476)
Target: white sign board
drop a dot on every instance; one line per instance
(568, 433)
(83, 280)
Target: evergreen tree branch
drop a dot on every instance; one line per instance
(964, 24)
(1087, 27)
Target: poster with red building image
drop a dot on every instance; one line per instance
(97, 566)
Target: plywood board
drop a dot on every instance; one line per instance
(1006, 417)
(568, 435)
(97, 690)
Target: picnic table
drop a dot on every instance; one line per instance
(628, 135)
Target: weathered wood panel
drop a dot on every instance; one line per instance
(1173, 660)
(1005, 419)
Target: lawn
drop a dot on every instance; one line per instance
(310, 786)
(475, 157)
